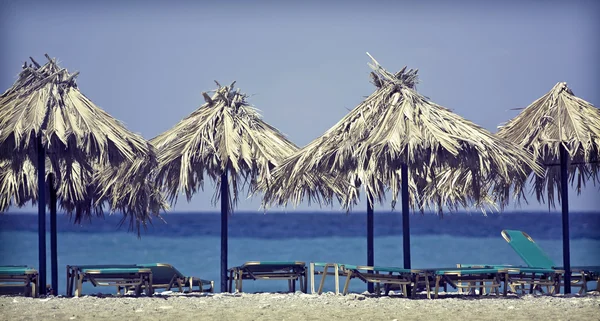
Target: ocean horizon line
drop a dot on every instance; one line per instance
(340, 212)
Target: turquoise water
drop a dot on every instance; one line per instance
(198, 254)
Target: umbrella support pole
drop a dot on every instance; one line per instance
(370, 240)
(405, 217)
(53, 236)
(564, 193)
(405, 222)
(224, 217)
(41, 175)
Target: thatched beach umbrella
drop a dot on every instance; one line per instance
(226, 139)
(563, 133)
(399, 140)
(53, 138)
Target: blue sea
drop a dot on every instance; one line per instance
(191, 241)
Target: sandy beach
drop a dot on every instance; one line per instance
(299, 306)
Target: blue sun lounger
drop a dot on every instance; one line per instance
(19, 279)
(291, 271)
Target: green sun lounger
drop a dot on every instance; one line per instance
(386, 278)
(324, 269)
(165, 276)
(19, 279)
(517, 277)
(581, 275)
(469, 278)
(383, 277)
(291, 271)
(120, 276)
(535, 257)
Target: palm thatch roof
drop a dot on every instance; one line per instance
(558, 118)
(93, 156)
(224, 135)
(451, 161)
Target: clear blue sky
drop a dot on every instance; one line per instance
(146, 63)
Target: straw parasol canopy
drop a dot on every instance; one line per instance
(224, 135)
(556, 119)
(54, 140)
(397, 140)
(226, 139)
(451, 161)
(95, 160)
(563, 133)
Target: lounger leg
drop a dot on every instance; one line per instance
(312, 278)
(337, 279)
(437, 285)
(414, 288)
(427, 285)
(304, 277)
(68, 282)
(322, 283)
(79, 285)
(349, 276)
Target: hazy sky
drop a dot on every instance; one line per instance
(147, 63)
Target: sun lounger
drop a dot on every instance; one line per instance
(269, 270)
(518, 277)
(469, 278)
(19, 279)
(581, 275)
(535, 257)
(120, 276)
(166, 276)
(381, 276)
(324, 269)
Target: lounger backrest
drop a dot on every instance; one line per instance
(162, 273)
(528, 250)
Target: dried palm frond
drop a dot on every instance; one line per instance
(80, 141)
(224, 135)
(558, 118)
(451, 161)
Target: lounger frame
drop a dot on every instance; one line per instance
(256, 270)
(118, 276)
(20, 276)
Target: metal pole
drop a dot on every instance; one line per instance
(53, 236)
(41, 173)
(370, 240)
(224, 217)
(405, 216)
(564, 192)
